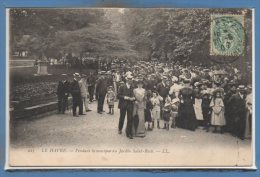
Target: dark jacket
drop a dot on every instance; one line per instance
(237, 107)
(163, 90)
(91, 80)
(63, 89)
(122, 92)
(101, 88)
(74, 88)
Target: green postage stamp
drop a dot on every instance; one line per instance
(227, 35)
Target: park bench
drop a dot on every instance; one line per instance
(39, 110)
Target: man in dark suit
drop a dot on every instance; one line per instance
(238, 112)
(91, 86)
(126, 99)
(63, 94)
(162, 88)
(101, 90)
(76, 98)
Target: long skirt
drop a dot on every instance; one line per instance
(198, 109)
(139, 125)
(186, 117)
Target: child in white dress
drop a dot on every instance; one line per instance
(217, 116)
(156, 111)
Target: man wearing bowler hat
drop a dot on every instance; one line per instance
(101, 90)
(238, 112)
(126, 99)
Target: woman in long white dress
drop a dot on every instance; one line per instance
(139, 107)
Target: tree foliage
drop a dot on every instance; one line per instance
(168, 34)
(174, 34)
(51, 32)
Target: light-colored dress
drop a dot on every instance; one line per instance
(139, 107)
(217, 116)
(198, 109)
(156, 111)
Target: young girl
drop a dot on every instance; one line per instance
(111, 97)
(217, 116)
(174, 113)
(156, 111)
(167, 112)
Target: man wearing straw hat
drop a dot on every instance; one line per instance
(126, 99)
(76, 97)
(101, 90)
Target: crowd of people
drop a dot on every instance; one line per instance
(166, 95)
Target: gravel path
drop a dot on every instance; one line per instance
(100, 132)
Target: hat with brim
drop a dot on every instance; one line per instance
(206, 70)
(198, 84)
(241, 88)
(164, 77)
(129, 77)
(103, 72)
(76, 75)
(218, 90)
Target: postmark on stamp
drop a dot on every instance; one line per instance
(227, 35)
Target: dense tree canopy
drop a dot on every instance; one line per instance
(56, 31)
(167, 34)
(175, 34)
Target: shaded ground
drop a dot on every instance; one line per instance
(94, 131)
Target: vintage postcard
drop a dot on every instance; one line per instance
(130, 88)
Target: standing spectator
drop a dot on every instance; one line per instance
(217, 115)
(167, 112)
(139, 107)
(84, 92)
(101, 90)
(111, 97)
(162, 88)
(118, 79)
(76, 97)
(238, 112)
(230, 119)
(186, 114)
(63, 94)
(206, 109)
(91, 85)
(126, 99)
(156, 111)
(147, 111)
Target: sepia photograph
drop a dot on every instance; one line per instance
(130, 88)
